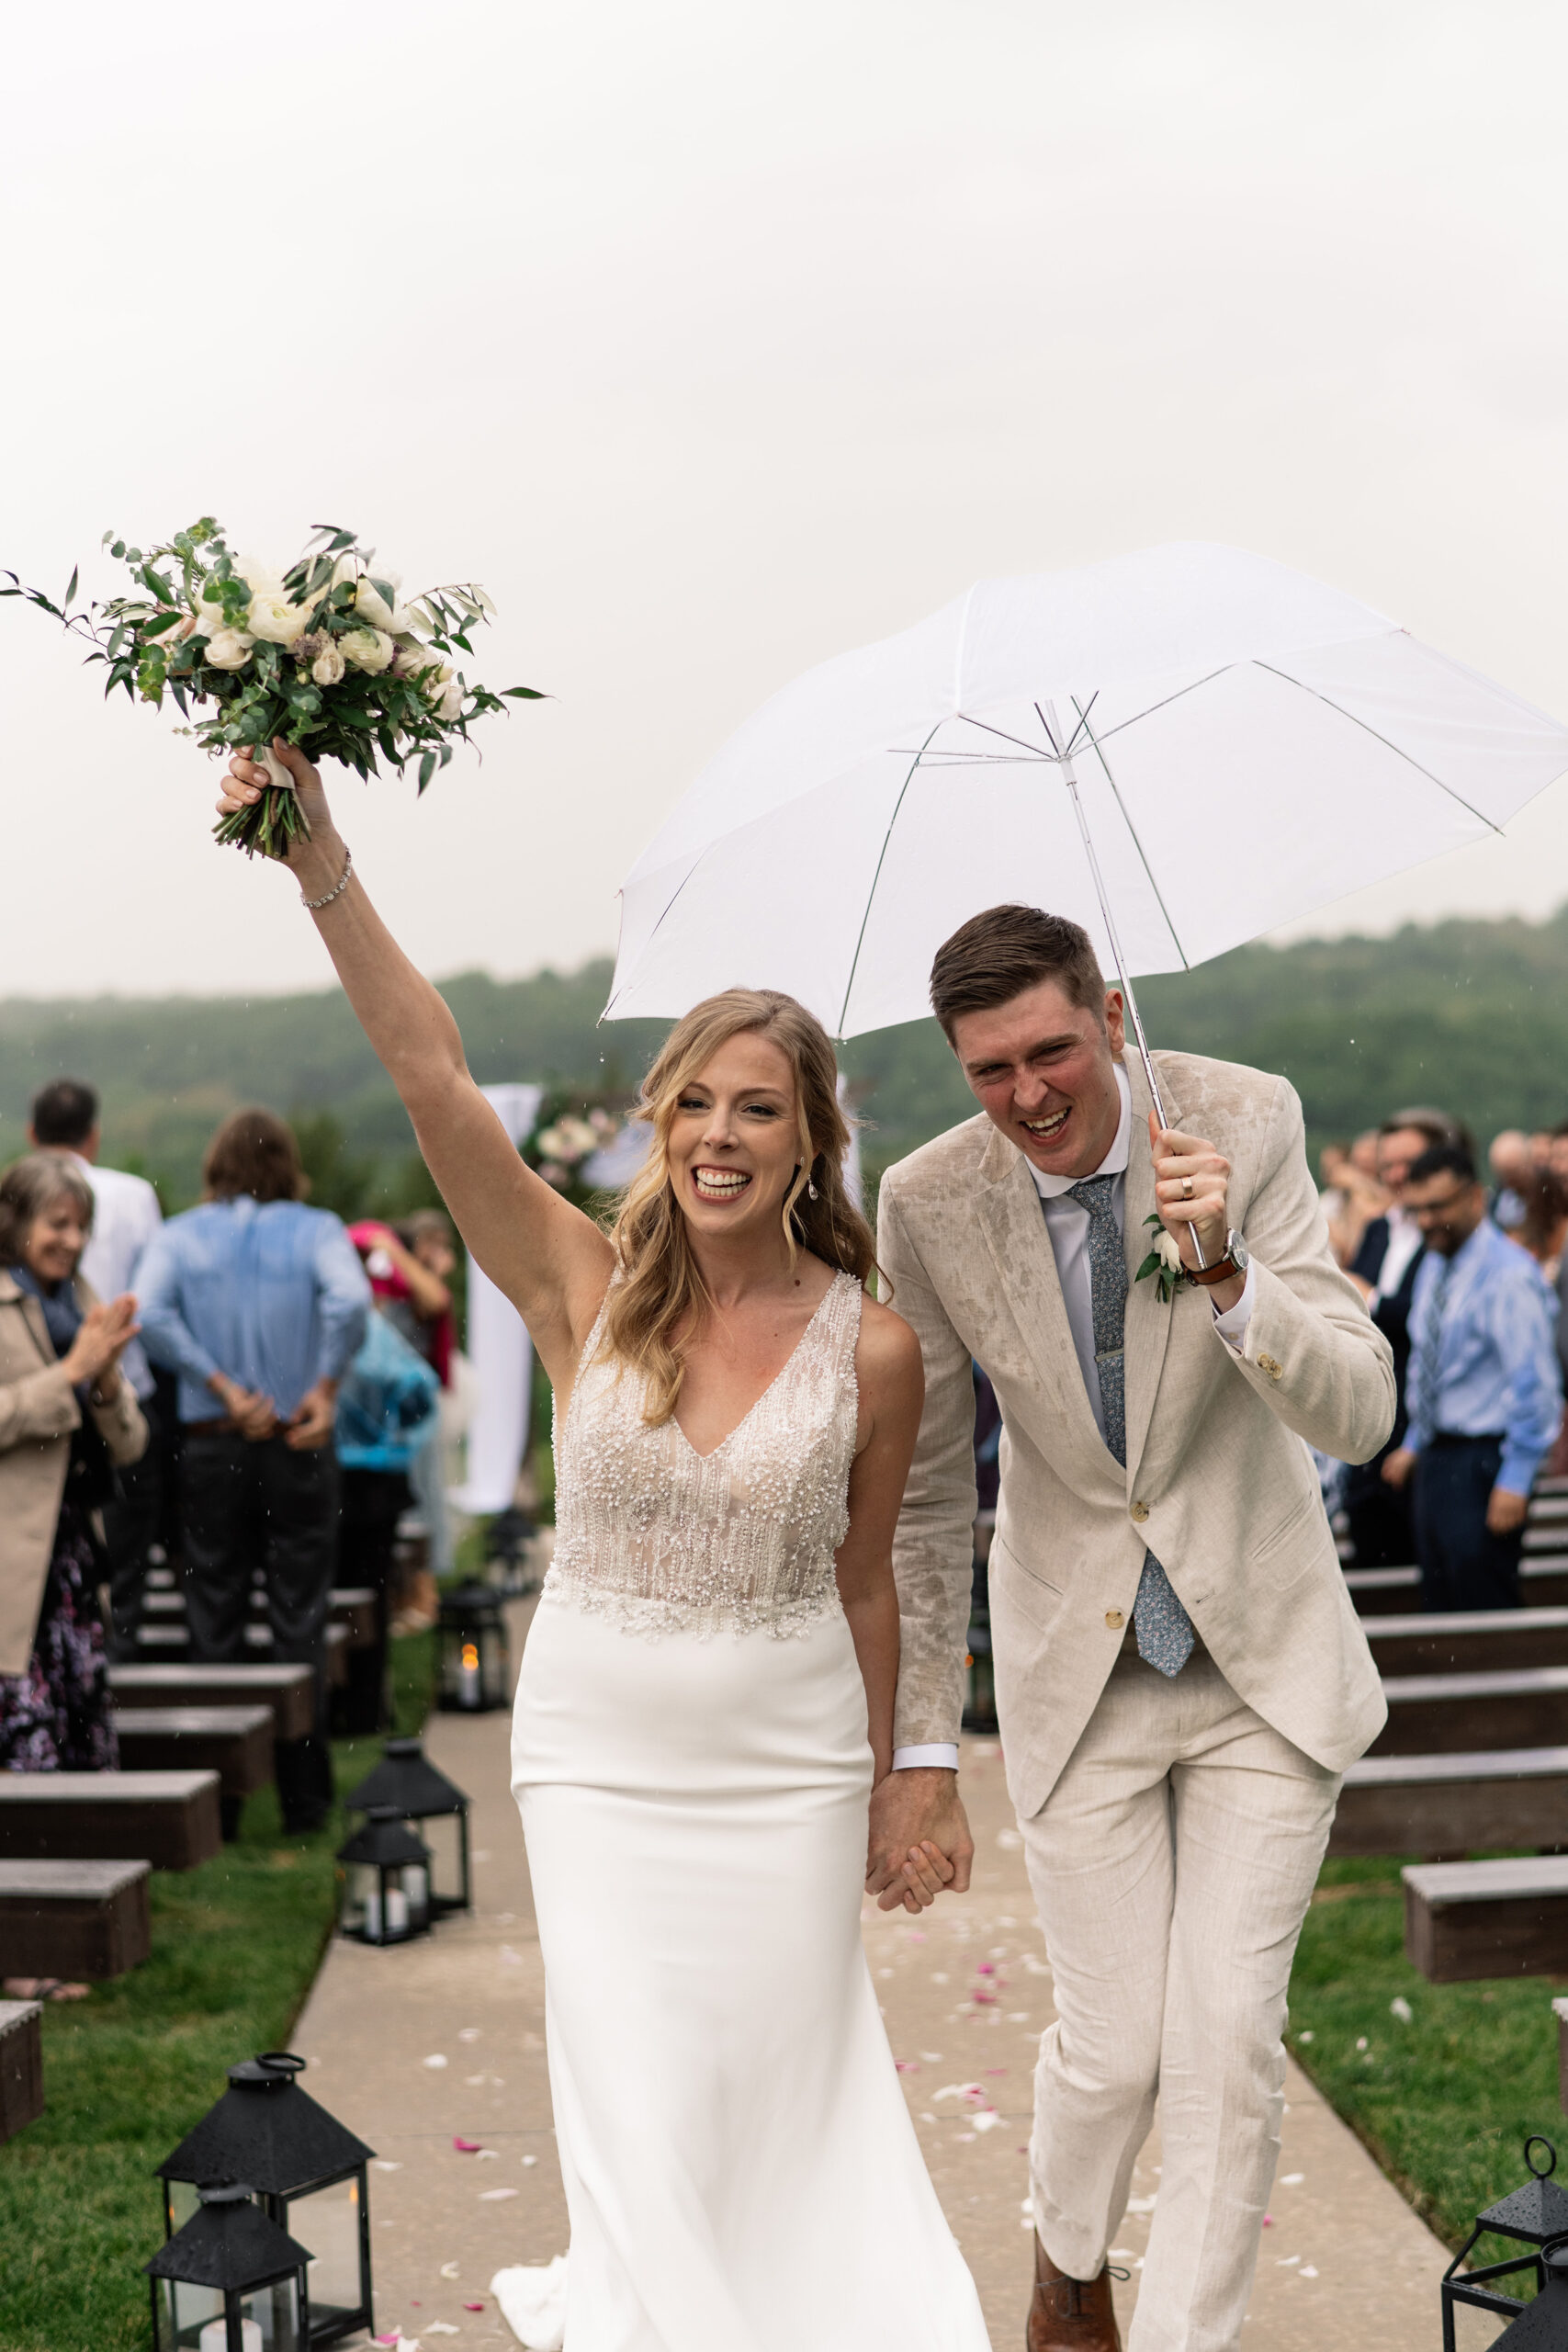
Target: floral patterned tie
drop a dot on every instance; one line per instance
(1163, 1630)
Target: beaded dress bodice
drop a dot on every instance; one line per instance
(662, 1539)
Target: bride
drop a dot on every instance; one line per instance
(706, 1694)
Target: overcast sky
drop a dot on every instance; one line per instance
(715, 337)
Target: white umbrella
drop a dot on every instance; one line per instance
(1179, 749)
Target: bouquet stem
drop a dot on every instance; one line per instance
(271, 825)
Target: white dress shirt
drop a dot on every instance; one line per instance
(124, 1217)
(1066, 1222)
(1406, 1240)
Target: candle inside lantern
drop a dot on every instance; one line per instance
(416, 1886)
(397, 1912)
(214, 2337)
(468, 1678)
(373, 1918)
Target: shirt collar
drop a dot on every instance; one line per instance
(1051, 1188)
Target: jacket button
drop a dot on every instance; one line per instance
(1115, 1620)
(1268, 1364)
(1139, 1511)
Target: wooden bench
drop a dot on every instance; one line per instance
(1446, 1715)
(1388, 1592)
(286, 1690)
(1468, 1641)
(170, 1819)
(21, 2065)
(1447, 1806)
(233, 1742)
(353, 1607)
(1384, 1592)
(258, 1641)
(73, 1918)
(1464, 1920)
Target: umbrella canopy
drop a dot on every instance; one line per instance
(1246, 745)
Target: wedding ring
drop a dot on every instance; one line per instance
(1186, 1188)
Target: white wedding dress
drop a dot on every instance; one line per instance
(691, 1759)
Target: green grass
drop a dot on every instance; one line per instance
(126, 2073)
(1446, 2102)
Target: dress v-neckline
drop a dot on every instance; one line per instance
(757, 1402)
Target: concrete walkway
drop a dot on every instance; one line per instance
(965, 1992)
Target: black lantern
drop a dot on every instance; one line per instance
(475, 1666)
(230, 2281)
(306, 2172)
(384, 1880)
(408, 1785)
(1537, 2216)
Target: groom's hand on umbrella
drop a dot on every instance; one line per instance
(920, 1842)
(1191, 1181)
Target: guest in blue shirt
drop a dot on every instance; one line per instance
(1483, 1391)
(259, 1303)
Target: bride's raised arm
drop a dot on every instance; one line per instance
(551, 1260)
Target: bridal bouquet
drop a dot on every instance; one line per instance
(328, 655)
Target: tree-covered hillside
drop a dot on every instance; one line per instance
(1472, 1015)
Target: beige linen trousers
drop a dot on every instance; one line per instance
(1163, 1819)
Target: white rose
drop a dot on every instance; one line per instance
(450, 706)
(373, 608)
(1170, 1250)
(258, 577)
(432, 678)
(209, 619)
(273, 616)
(230, 648)
(368, 649)
(327, 667)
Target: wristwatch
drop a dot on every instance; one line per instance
(1237, 1260)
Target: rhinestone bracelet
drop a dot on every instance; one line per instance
(310, 905)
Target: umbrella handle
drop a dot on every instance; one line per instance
(1069, 777)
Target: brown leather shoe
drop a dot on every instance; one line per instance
(1070, 2314)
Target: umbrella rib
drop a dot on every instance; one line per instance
(657, 929)
(1126, 819)
(1329, 704)
(870, 894)
(1165, 701)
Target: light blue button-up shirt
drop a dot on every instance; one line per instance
(270, 1292)
(1497, 1369)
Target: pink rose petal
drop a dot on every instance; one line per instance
(465, 2147)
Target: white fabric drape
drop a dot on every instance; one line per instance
(500, 1350)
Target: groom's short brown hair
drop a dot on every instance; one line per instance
(995, 956)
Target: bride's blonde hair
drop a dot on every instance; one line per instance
(660, 1286)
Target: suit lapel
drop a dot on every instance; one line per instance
(1014, 1225)
(1146, 1332)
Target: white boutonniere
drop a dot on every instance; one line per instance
(1164, 1261)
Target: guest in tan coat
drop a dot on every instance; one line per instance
(67, 1417)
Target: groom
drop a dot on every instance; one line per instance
(1180, 1678)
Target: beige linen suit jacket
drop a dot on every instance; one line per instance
(37, 1412)
(1218, 1482)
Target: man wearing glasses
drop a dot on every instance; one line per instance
(1483, 1391)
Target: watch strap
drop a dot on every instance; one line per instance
(1220, 1271)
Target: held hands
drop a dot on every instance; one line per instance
(252, 1414)
(310, 1423)
(920, 1840)
(94, 1354)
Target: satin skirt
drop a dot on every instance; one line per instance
(741, 2169)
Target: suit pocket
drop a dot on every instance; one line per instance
(1021, 1588)
(1288, 1549)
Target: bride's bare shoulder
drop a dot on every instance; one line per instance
(888, 1354)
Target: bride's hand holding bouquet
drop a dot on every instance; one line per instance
(329, 657)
